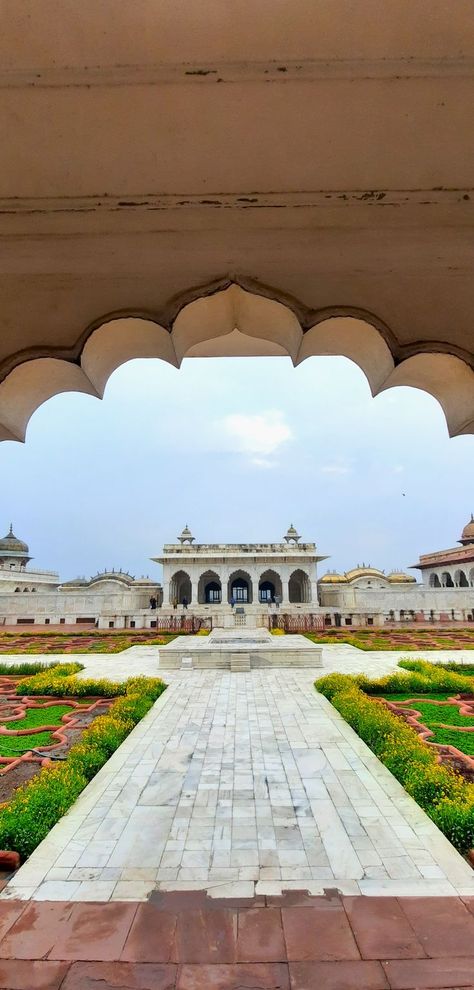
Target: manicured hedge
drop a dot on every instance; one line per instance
(25, 667)
(39, 804)
(422, 678)
(445, 796)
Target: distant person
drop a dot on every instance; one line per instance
(175, 603)
(184, 603)
(152, 603)
(232, 601)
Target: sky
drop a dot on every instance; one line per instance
(237, 448)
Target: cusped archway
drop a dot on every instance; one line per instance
(230, 319)
(209, 589)
(446, 580)
(434, 581)
(299, 587)
(180, 589)
(270, 589)
(240, 588)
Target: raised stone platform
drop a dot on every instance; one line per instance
(240, 650)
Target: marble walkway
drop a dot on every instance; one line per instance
(243, 784)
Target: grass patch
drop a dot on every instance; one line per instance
(17, 745)
(35, 717)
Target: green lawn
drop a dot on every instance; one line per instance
(433, 715)
(35, 717)
(17, 745)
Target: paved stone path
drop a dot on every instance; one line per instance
(242, 784)
(188, 942)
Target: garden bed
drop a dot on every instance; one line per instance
(80, 642)
(35, 731)
(412, 638)
(84, 721)
(444, 722)
(429, 772)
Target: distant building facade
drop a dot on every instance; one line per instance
(222, 582)
(213, 576)
(33, 597)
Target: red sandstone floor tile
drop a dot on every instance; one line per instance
(22, 975)
(443, 925)
(151, 937)
(436, 974)
(94, 931)
(260, 936)
(35, 932)
(381, 928)
(120, 976)
(337, 976)
(319, 932)
(10, 911)
(206, 936)
(243, 976)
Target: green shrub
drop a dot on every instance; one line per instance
(37, 806)
(445, 796)
(132, 707)
(26, 667)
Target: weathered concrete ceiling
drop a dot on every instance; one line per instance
(317, 155)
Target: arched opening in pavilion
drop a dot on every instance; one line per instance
(269, 587)
(209, 589)
(460, 579)
(471, 577)
(180, 588)
(435, 581)
(240, 588)
(446, 580)
(299, 588)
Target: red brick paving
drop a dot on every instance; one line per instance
(187, 941)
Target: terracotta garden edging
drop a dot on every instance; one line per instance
(413, 717)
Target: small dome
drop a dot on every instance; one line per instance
(11, 545)
(399, 577)
(467, 535)
(333, 578)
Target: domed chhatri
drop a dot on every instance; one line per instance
(186, 535)
(467, 535)
(292, 535)
(11, 546)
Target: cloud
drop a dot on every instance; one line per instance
(335, 469)
(258, 436)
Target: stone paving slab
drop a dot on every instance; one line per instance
(190, 942)
(242, 784)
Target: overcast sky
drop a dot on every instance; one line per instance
(238, 449)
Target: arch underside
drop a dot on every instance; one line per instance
(230, 320)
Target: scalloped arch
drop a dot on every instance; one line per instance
(232, 320)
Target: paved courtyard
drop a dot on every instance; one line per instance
(242, 784)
